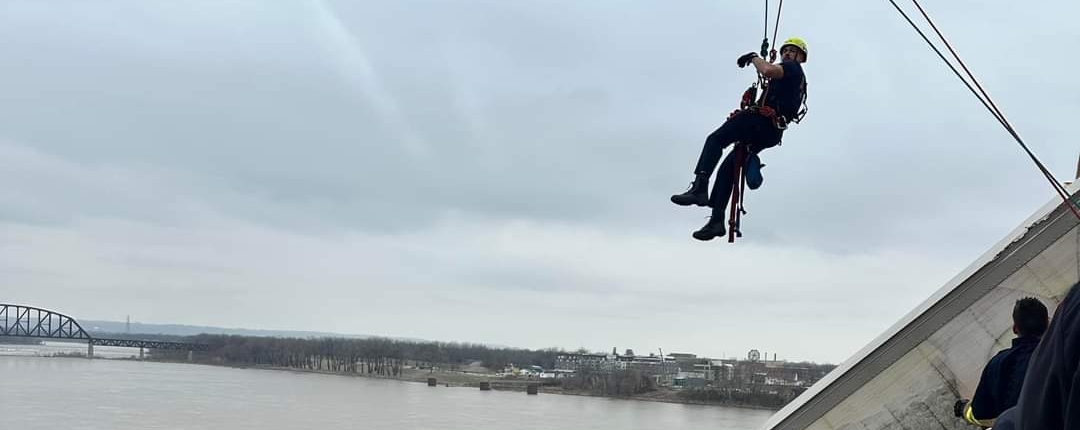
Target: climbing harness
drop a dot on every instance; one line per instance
(751, 103)
(750, 100)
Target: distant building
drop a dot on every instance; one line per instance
(688, 370)
(650, 365)
(722, 372)
(601, 362)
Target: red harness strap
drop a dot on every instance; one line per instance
(738, 186)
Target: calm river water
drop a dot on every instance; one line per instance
(76, 393)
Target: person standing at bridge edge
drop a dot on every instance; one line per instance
(1050, 398)
(760, 127)
(1003, 377)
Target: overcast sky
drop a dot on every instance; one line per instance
(499, 172)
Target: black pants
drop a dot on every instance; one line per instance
(758, 132)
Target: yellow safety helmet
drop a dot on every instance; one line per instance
(798, 43)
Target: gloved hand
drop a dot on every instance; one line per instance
(746, 59)
(958, 407)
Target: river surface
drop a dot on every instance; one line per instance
(40, 392)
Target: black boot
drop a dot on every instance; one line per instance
(711, 229)
(698, 194)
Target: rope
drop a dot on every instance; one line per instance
(776, 27)
(988, 103)
(772, 52)
(765, 36)
(735, 207)
(1004, 121)
(776, 30)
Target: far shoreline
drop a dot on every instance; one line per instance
(663, 395)
(448, 379)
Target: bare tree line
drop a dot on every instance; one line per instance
(375, 356)
(623, 382)
(738, 396)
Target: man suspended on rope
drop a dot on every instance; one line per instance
(760, 126)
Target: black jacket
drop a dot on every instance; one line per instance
(1002, 378)
(1050, 399)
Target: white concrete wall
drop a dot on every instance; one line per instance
(918, 390)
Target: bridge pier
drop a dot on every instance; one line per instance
(89, 349)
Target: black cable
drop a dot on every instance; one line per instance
(766, 35)
(1050, 177)
(1005, 121)
(776, 27)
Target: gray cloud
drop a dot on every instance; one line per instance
(500, 172)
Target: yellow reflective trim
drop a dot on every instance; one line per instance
(969, 416)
